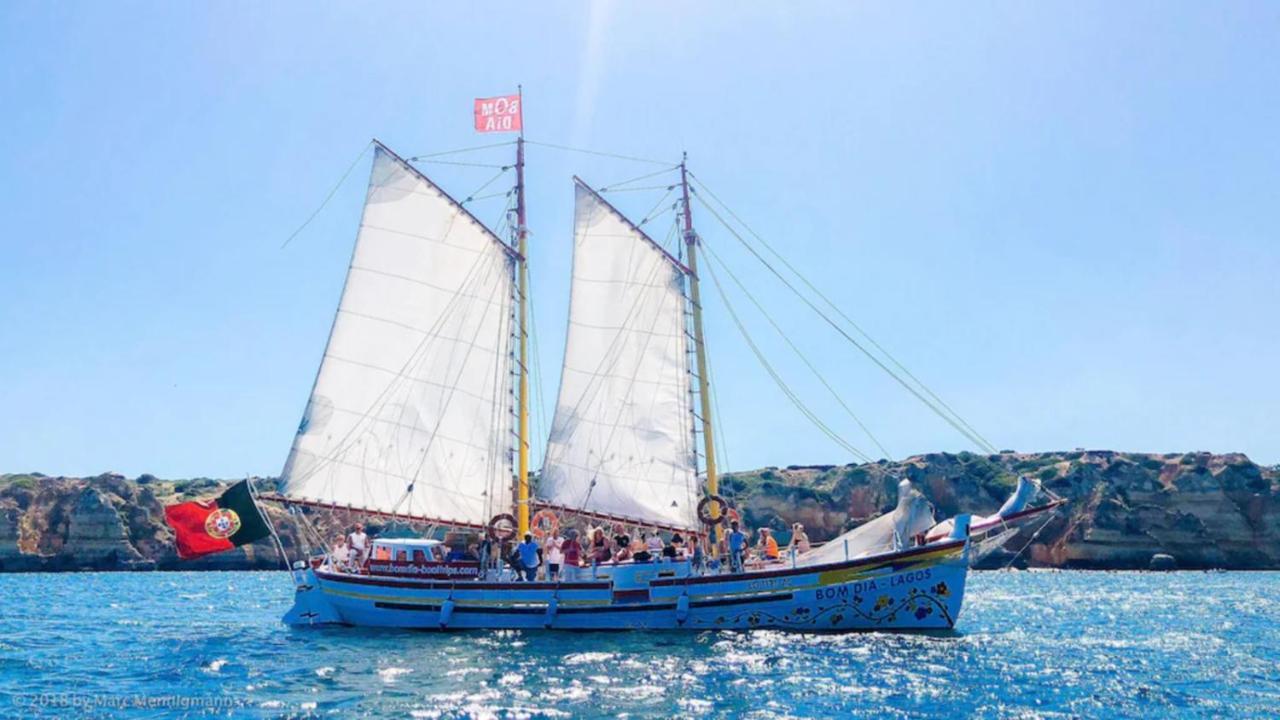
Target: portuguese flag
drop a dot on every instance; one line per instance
(209, 526)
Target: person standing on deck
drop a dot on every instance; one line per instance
(553, 548)
(572, 555)
(358, 543)
(737, 547)
(529, 556)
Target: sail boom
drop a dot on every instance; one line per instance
(610, 517)
(403, 517)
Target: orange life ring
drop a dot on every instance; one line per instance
(536, 524)
(503, 527)
(704, 510)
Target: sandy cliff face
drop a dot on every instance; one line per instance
(1205, 510)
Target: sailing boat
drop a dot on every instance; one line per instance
(419, 413)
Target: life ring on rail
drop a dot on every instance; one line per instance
(541, 518)
(503, 527)
(721, 513)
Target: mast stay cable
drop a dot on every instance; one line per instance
(951, 418)
(777, 379)
(799, 353)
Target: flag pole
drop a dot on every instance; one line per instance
(522, 473)
(253, 493)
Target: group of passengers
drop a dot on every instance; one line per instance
(561, 557)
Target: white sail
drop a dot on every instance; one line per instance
(410, 413)
(621, 442)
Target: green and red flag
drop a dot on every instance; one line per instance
(209, 526)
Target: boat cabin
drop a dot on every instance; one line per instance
(418, 557)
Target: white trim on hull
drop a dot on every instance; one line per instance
(918, 589)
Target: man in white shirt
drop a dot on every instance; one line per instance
(359, 544)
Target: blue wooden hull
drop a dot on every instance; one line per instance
(918, 589)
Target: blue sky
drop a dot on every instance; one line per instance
(1065, 217)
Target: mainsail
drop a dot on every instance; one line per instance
(621, 443)
(410, 413)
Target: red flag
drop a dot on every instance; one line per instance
(499, 114)
(211, 526)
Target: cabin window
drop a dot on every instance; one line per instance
(419, 557)
(402, 556)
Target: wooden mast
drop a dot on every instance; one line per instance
(704, 384)
(522, 473)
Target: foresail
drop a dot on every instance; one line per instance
(410, 413)
(621, 442)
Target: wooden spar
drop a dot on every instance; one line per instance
(704, 384)
(522, 473)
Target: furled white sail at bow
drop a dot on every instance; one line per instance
(621, 442)
(410, 413)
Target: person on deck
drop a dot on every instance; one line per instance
(799, 539)
(358, 542)
(572, 555)
(640, 549)
(767, 547)
(340, 556)
(737, 547)
(457, 553)
(623, 553)
(654, 543)
(553, 549)
(677, 544)
(669, 551)
(530, 557)
(599, 547)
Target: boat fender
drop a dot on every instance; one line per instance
(682, 608)
(446, 613)
(552, 607)
(704, 510)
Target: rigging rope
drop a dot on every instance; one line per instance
(797, 350)
(955, 423)
(327, 198)
(601, 154)
(416, 158)
(782, 385)
(985, 444)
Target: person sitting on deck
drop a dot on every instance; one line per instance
(640, 549)
(669, 551)
(737, 547)
(623, 553)
(767, 547)
(572, 555)
(340, 556)
(654, 543)
(677, 544)
(799, 539)
(457, 553)
(530, 557)
(554, 550)
(599, 547)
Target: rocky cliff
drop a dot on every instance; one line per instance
(1207, 511)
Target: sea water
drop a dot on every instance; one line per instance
(1039, 644)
